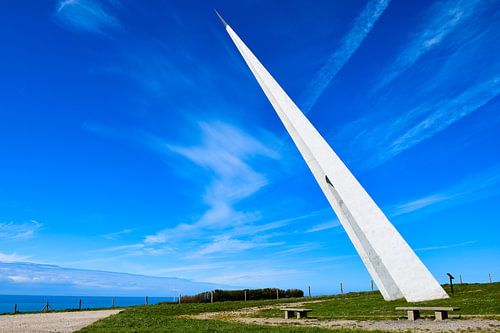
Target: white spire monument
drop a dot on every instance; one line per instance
(393, 265)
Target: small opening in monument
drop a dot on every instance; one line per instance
(328, 181)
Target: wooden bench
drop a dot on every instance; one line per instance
(301, 313)
(440, 313)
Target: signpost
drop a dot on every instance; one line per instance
(451, 281)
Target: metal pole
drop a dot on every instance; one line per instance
(277, 294)
(15, 308)
(211, 296)
(451, 281)
(180, 296)
(309, 290)
(80, 305)
(372, 284)
(341, 288)
(489, 275)
(113, 302)
(460, 278)
(147, 301)
(245, 295)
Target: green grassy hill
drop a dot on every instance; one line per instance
(481, 300)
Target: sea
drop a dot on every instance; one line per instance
(35, 303)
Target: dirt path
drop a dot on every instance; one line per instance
(51, 322)
(453, 325)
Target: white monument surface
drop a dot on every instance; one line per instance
(393, 265)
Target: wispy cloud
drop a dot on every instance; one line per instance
(262, 277)
(473, 188)
(421, 106)
(12, 257)
(225, 152)
(121, 248)
(324, 226)
(296, 249)
(440, 20)
(225, 244)
(361, 27)
(88, 15)
(117, 234)
(443, 114)
(159, 72)
(442, 247)
(19, 231)
(420, 203)
(377, 142)
(224, 157)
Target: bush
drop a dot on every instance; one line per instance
(239, 295)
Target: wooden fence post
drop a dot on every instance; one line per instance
(80, 305)
(147, 300)
(245, 295)
(341, 288)
(371, 284)
(309, 290)
(15, 308)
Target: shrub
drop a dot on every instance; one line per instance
(220, 295)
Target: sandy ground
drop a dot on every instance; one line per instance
(421, 325)
(51, 322)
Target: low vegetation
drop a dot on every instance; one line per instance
(219, 295)
(473, 299)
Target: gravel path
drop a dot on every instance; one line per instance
(51, 322)
(451, 325)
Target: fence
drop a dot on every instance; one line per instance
(27, 303)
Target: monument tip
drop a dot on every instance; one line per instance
(220, 18)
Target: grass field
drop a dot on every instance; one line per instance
(474, 299)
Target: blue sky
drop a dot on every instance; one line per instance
(136, 140)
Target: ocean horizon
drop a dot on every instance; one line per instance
(36, 303)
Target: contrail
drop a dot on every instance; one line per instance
(442, 19)
(362, 26)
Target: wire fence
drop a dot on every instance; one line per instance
(31, 304)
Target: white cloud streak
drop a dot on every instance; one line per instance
(225, 152)
(420, 203)
(377, 143)
(19, 231)
(439, 22)
(443, 247)
(87, 15)
(117, 234)
(324, 226)
(12, 257)
(361, 27)
(121, 248)
(470, 189)
(446, 113)
(225, 244)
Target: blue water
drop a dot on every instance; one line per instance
(30, 303)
